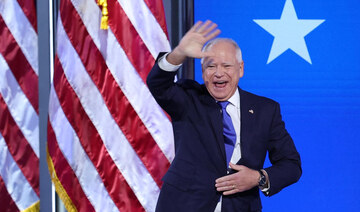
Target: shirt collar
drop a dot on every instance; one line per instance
(235, 99)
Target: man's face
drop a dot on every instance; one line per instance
(222, 71)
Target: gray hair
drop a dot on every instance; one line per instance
(216, 40)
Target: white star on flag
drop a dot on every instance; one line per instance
(289, 32)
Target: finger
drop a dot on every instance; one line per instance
(204, 26)
(236, 167)
(213, 34)
(222, 179)
(225, 188)
(209, 29)
(226, 183)
(196, 25)
(222, 185)
(233, 191)
(229, 177)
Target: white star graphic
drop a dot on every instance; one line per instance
(289, 32)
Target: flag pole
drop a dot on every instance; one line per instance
(44, 54)
(182, 19)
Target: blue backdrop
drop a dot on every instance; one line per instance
(316, 81)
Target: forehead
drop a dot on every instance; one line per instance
(223, 44)
(222, 50)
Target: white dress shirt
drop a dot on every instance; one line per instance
(233, 109)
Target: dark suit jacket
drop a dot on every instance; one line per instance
(189, 184)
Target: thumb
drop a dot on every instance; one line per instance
(235, 167)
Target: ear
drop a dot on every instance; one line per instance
(241, 69)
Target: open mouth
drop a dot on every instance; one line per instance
(220, 84)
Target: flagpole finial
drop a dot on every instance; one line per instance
(104, 14)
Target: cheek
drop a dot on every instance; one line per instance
(206, 75)
(203, 76)
(236, 75)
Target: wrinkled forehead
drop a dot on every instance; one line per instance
(221, 52)
(223, 44)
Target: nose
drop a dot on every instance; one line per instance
(219, 72)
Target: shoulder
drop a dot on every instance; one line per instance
(260, 103)
(265, 108)
(191, 86)
(256, 98)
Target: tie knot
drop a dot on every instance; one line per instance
(223, 104)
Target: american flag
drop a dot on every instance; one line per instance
(19, 119)
(109, 143)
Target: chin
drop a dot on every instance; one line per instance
(220, 95)
(220, 98)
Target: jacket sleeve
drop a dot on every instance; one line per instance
(286, 164)
(166, 92)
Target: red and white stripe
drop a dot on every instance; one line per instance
(109, 141)
(19, 121)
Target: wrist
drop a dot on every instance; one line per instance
(256, 178)
(175, 57)
(262, 180)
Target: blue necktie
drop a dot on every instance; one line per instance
(229, 132)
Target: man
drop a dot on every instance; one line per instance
(222, 133)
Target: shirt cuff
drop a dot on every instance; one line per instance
(166, 66)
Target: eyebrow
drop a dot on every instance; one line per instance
(228, 63)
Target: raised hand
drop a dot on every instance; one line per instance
(193, 41)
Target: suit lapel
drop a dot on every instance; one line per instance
(217, 127)
(248, 112)
(214, 115)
